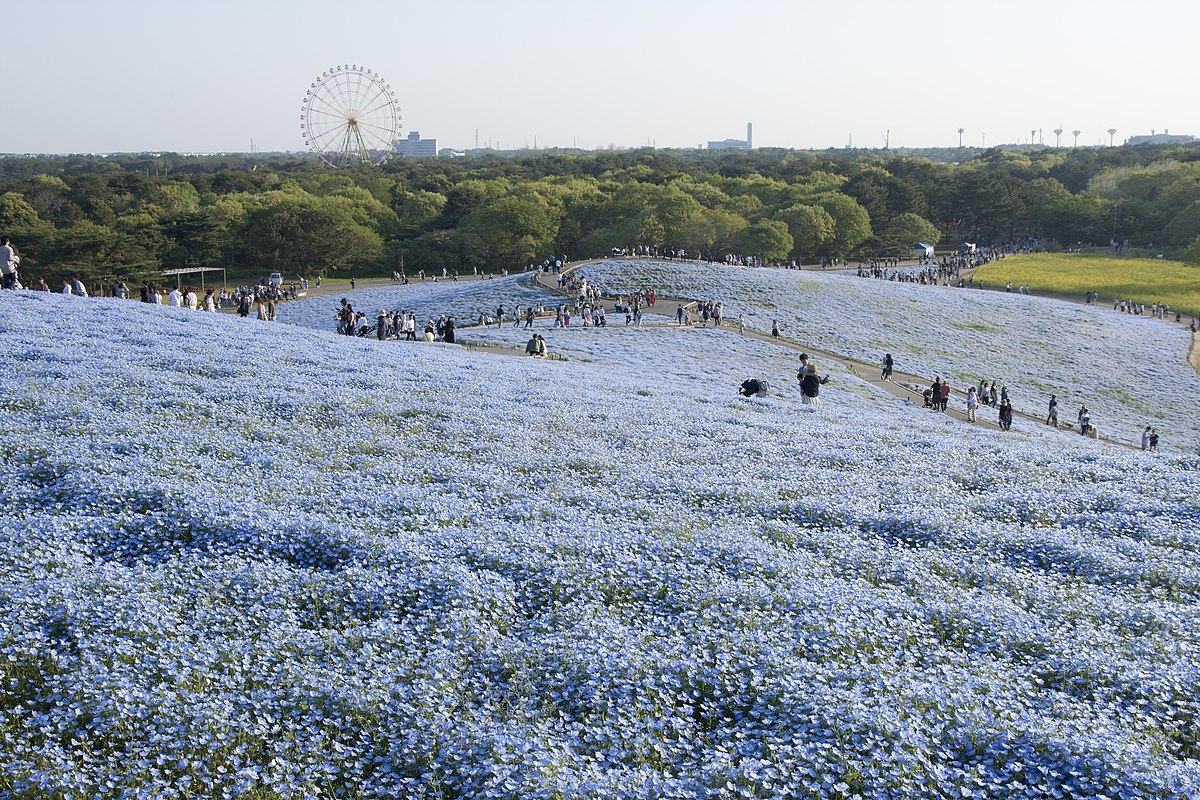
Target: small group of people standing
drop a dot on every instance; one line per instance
(811, 382)
(1084, 419)
(396, 326)
(978, 396)
(591, 317)
(536, 346)
(704, 311)
(261, 299)
(10, 276)
(74, 286)
(937, 396)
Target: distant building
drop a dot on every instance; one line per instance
(1161, 138)
(416, 147)
(736, 144)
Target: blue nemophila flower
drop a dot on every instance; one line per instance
(368, 571)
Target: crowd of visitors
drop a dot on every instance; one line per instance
(262, 297)
(705, 311)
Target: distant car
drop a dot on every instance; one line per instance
(275, 280)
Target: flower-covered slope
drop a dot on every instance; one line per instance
(463, 300)
(246, 558)
(1130, 371)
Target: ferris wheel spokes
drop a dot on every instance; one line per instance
(350, 116)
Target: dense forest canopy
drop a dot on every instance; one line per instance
(130, 216)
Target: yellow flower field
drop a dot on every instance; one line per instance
(1142, 280)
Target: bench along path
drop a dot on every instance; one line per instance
(903, 385)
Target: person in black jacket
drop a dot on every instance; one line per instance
(1006, 414)
(810, 386)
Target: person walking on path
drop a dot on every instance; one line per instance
(1154, 440)
(945, 394)
(774, 329)
(888, 363)
(1006, 414)
(1146, 438)
(1052, 417)
(972, 404)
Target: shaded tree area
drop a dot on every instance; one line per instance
(131, 216)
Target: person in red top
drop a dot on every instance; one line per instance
(945, 393)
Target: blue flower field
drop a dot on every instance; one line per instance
(251, 560)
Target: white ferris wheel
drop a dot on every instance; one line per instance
(350, 116)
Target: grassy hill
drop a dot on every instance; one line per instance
(1142, 280)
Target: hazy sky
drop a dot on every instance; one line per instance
(212, 75)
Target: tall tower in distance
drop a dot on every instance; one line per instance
(749, 135)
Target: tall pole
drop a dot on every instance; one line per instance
(1076, 135)
(1111, 131)
(960, 133)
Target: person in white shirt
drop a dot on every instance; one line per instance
(175, 298)
(67, 287)
(8, 264)
(192, 301)
(79, 288)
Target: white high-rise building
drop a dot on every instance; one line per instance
(416, 147)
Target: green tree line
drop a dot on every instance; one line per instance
(133, 216)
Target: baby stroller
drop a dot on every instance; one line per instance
(928, 394)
